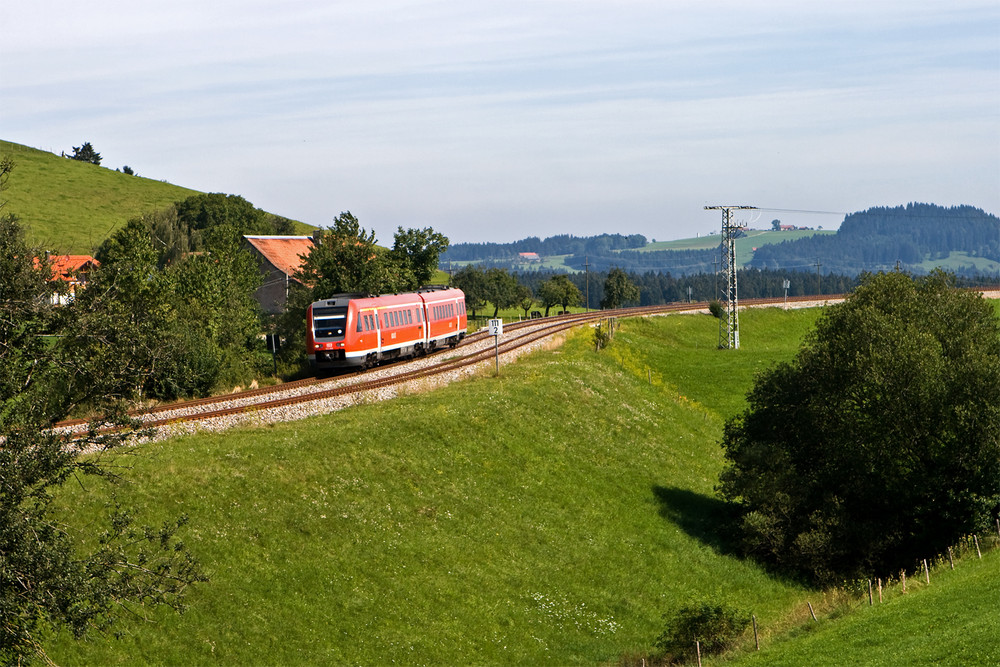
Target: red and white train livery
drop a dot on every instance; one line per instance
(357, 330)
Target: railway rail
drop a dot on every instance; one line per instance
(317, 395)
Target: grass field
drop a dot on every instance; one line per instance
(68, 206)
(548, 516)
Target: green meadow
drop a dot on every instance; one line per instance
(550, 515)
(70, 207)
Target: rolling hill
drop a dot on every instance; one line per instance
(548, 516)
(68, 206)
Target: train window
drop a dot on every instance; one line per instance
(360, 324)
(329, 322)
(395, 318)
(385, 320)
(409, 316)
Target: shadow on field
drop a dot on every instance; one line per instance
(702, 517)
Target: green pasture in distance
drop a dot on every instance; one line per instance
(549, 516)
(70, 207)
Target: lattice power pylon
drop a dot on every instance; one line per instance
(730, 301)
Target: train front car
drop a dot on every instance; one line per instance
(328, 327)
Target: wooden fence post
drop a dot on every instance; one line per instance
(756, 640)
(871, 600)
(903, 573)
(927, 572)
(880, 590)
(975, 538)
(813, 613)
(697, 647)
(951, 559)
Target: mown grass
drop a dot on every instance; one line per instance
(551, 515)
(70, 207)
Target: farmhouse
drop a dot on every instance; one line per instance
(279, 257)
(529, 256)
(73, 270)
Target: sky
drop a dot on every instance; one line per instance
(497, 120)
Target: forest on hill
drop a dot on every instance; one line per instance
(910, 236)
(563, 244)
(917, 238)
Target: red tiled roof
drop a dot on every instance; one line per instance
(66, 267)
(284, 252)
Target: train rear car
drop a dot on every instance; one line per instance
(446, 317)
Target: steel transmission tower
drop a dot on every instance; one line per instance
(730, 302)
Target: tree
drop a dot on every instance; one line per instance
(776, 225)
(500, 289)
(419, 249)
(559, 291)
(346, 260)
(48, 578)
(618, 290)
(880, 443)
(525, 299)
(471, 280)
(86, 153)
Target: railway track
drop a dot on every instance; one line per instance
(317, 395)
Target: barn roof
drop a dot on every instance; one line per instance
(66, 267)
(284, 252)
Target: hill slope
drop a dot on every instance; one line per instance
(550, 516)
(69, 206)
(917, 237)
(547, 517)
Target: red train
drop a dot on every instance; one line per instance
(357, 330)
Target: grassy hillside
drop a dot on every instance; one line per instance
(953, 621)
(69, 206)
(549, 516)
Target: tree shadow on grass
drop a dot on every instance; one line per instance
(704, 518)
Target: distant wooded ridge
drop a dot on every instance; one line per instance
(915, 237)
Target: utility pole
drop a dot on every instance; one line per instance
(731, 302)
(586, 265)
(819, 285)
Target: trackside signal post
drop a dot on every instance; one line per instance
(496, 330)
(731, 339)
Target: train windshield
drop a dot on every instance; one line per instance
(329, 322)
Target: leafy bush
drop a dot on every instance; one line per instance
(602, 337)
(880, 443)
(715, 307)
(716, 627)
